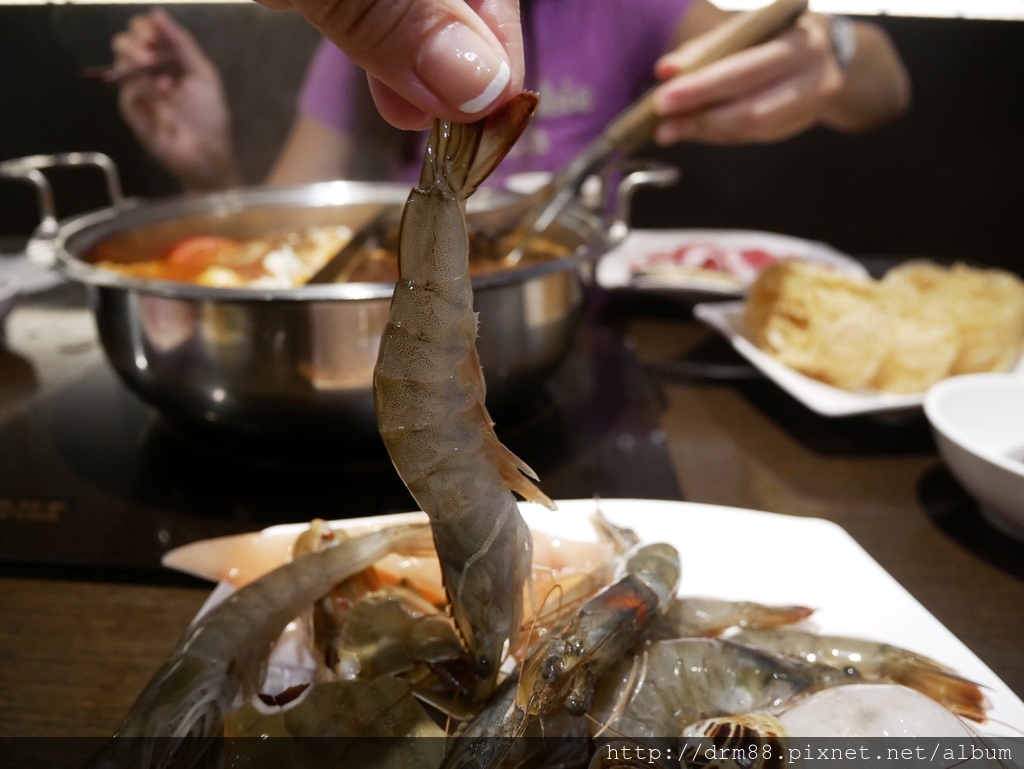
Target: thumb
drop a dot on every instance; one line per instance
(452, 59)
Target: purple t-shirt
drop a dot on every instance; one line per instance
(588, 59)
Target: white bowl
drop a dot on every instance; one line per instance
(978, 421)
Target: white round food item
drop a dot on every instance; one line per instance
(871, 710)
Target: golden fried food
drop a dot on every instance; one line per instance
(987, 307)
(920, 323)
(921, 346)
(819, 321)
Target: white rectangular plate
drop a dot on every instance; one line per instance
(829, 401)
(739, 554)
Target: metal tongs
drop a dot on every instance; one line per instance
(380, 230)
(634, 127)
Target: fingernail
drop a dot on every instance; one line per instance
(664, 67)
(463, 69)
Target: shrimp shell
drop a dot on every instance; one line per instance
(224, 653)
(499, 736)
(683, 681)
(749, 740)
(564, 668)
(429, 395)
(692, 617)
(876, 662)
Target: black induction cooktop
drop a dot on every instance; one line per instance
(96, 483)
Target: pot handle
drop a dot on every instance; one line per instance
(30, 169)
(634, 174)
(637, 174)
(41, 249)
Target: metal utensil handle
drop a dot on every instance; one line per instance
(334, 268)
(30, 169)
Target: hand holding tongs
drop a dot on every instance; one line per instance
(634, 127)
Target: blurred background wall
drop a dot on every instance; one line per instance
(46, 106)
(945, 182)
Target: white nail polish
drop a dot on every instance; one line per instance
(490, 93)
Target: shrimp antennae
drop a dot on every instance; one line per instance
(636, 670)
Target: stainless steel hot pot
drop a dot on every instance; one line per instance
(291, 360)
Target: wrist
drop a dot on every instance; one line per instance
(218, 170)
(843, 40)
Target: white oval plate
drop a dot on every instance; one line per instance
(707, 262)
(739, 554)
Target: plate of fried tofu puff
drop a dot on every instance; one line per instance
(845, 344)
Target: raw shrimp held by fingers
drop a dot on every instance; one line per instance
(429, 394)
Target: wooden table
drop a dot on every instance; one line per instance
(76, 653)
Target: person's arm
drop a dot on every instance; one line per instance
(313, 152)
(178, 113)
(876, 87)
(336, 133)
(779, 88)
